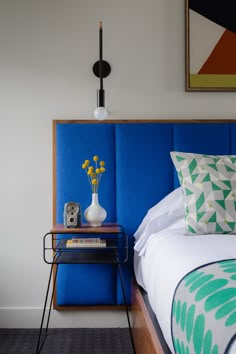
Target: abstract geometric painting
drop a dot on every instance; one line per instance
(210, 45)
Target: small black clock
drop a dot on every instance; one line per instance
(72, 214)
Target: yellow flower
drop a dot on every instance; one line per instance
(94, 173)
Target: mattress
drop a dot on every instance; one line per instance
(167, 257)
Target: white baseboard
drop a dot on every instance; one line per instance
(31, 318)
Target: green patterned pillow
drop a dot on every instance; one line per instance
(209, 189)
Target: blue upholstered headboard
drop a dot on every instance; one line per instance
(139, 173)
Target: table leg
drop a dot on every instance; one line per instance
(41, 343)
(126, 306)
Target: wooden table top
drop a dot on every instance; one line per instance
(86, 228)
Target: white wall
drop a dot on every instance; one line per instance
(48, 48)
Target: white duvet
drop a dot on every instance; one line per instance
(164, 257)
(168, 257)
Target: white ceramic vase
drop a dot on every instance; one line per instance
(95, 214)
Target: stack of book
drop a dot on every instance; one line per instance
(85, 242)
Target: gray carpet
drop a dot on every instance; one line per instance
(71, 341)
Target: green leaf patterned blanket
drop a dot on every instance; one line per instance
(204, 310)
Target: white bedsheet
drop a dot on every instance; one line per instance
(169, 255)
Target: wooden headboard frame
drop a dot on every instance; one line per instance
(128, 145)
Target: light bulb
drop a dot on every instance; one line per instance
(100, 113)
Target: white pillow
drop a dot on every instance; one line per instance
(172, 202)
(168, 213)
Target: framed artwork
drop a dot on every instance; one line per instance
(210, 45)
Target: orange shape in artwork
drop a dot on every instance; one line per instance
(222, 59)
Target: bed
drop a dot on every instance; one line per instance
(140, 174)
(154, 272)
(185, 259)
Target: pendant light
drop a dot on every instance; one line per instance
(101, 69)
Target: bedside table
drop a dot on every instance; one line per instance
(112, 250)
(116, 250)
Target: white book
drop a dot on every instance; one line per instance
(86, 243)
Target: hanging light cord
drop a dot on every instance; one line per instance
(100, 56)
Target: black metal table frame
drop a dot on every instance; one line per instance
(55, 264)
